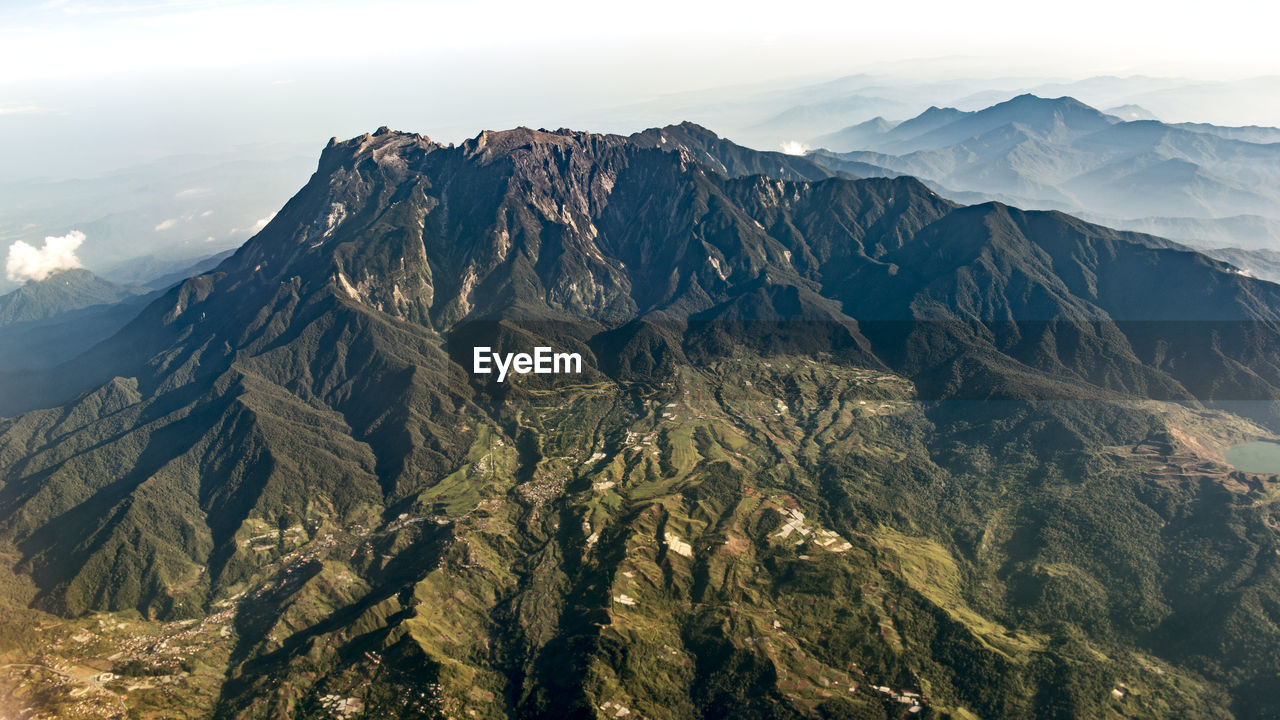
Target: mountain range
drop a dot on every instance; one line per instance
(840, 447)
(1202, 184)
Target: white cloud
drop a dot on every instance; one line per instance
(794, 147)
(257, 226)
(30, 263)
(191, 192)
(206, 213)
(165, 225)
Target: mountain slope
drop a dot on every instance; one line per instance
(839, 448)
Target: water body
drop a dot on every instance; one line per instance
(1255, 457)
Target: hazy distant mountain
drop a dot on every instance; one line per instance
(1057, 121)
(1229, 102)
(46, 322)
(803, 121)
(1131, 112)
(1251, 133)
(1202, 183)
(1260, 263)
(767, 115)
(830, 436)
(60, 293)
(158, 274)
(1247, 231)
(878, 132)
(855, 136)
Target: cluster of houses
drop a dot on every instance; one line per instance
(905, 697)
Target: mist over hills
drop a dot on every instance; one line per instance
(157, 217)
(832, 435)
(1205, 185)
(768, 116)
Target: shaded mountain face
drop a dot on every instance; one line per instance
(1061, 154)
(829, 436)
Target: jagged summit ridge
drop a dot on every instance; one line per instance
(530, 177)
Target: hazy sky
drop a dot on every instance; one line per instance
(142, 78)
(60, 39)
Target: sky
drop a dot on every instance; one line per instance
(57, 40)
(136, 79)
